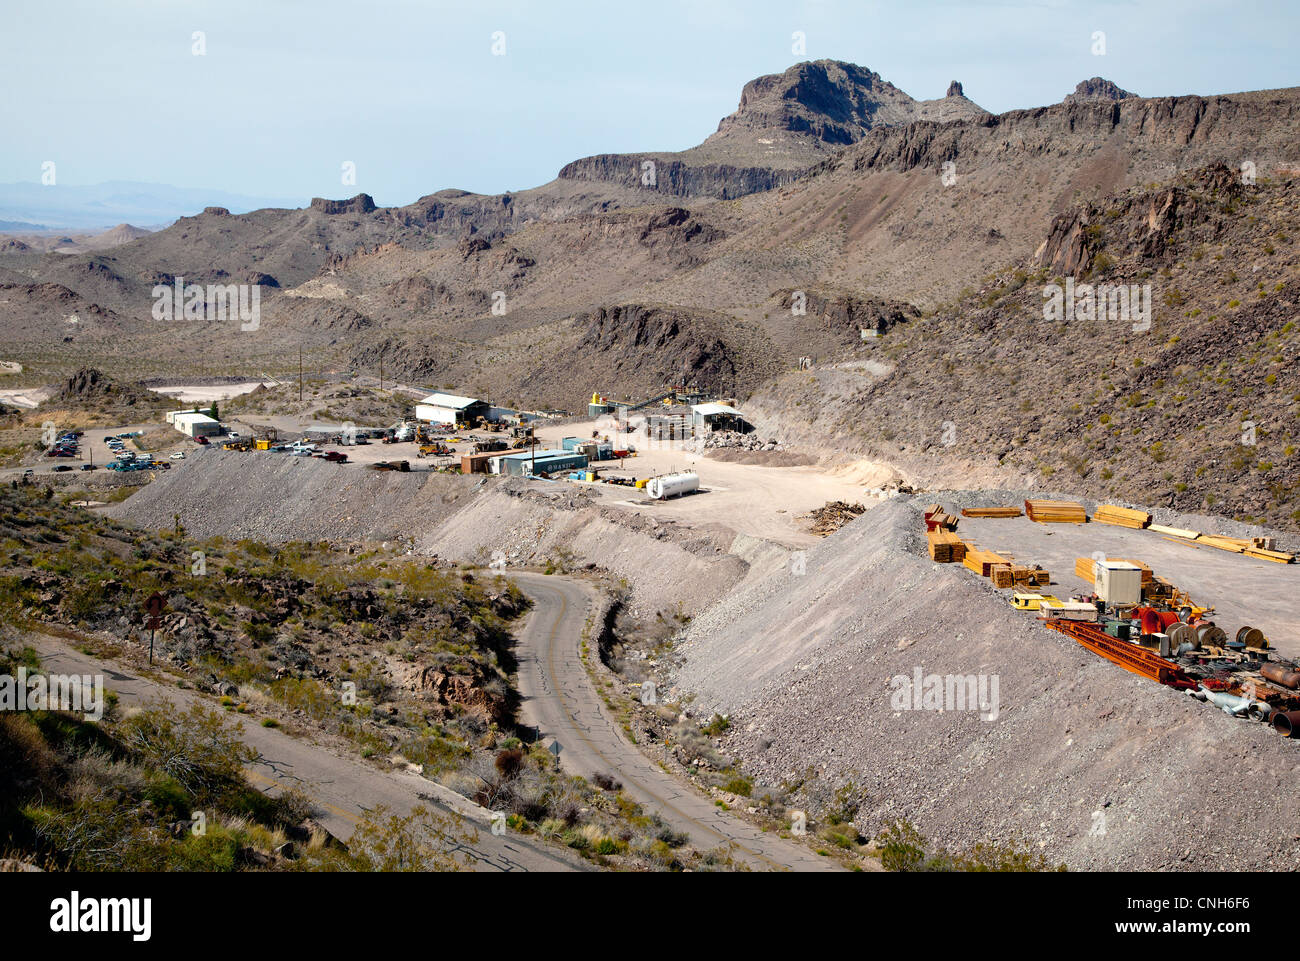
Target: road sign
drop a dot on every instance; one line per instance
(555, 749)
(154, 604)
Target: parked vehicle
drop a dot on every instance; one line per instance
(179, 455)
(61, 467)
(89, 467)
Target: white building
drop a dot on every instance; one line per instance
(450, 409)
(194, 424)
(171, 415)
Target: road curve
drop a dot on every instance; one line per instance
(343, 788)
(561, 701)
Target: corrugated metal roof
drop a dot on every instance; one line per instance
(709, 409)
(450, 401)
(188, 417)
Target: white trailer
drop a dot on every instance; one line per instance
(672, 485)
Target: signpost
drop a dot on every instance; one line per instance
(154, 605)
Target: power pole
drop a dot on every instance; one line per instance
(300, 373)
(381, 373)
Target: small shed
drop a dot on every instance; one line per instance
(716, 416)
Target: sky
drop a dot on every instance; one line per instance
(284, 93)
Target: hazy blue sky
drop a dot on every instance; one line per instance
(411, 93)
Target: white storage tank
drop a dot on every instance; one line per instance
(672, 485)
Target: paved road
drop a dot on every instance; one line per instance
(343, 788)
(561, 701)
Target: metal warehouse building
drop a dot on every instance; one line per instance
(451, 409)
(194, 424)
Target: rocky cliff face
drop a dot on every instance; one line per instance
(1186, 131)
(1098, 88)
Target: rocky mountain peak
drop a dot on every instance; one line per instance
(1098, 88)
(954, 89)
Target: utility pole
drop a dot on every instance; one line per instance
(300, 373)
(381, 373)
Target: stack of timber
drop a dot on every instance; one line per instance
(946, 547)
(1083, 568)
(1174, 531)
(941, 522)
(1263, 548)
(991, 512)
(981, 562)
(1001, 575)
(1023, 576)
(1056, 512)
(1121, 516)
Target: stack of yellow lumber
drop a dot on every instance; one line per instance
(991, 512)
(945, 547)
(939, 521)
(1056, 512)
(1260, 547)
(1121, 516)
(981, 562)
(1174, 531)
(1083, 567)
(1001, 575)
(1235, 544)
(1277, 557)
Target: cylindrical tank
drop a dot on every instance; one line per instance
(672, 485)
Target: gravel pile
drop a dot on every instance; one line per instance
(273, 497)
(1090, 764)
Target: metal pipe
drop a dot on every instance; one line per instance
(1286, 722)
(1281, 675)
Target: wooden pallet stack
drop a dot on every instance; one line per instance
(945, 547)
(1056, 512)
(1121, 516)
(1001, 575)
(991, 512)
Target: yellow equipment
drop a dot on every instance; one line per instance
(1034, 602)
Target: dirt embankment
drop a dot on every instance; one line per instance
(669, 567)
(1094, 766)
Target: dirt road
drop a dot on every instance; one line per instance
(560, 699)
(343, 788)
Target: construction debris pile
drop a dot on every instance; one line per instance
(830, 517)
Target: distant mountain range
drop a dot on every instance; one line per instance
(27, 206)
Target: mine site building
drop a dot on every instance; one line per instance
(193, 424)
(452, 409)
(715, 416)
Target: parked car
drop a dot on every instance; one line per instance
(179, 455)
(61, 467)
(201, 440)
(89, 467)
